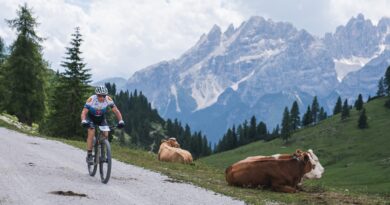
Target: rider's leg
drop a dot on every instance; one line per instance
(91, 134)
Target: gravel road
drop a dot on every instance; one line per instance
(38, 171)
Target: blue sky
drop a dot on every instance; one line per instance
(123, 36)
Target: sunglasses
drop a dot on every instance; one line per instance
(103, 96)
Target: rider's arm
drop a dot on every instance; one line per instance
(117, 113)
(84, 114)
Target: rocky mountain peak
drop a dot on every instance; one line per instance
(261, 67)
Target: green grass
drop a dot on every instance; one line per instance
(357, 162)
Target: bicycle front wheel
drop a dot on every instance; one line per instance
(105, 161)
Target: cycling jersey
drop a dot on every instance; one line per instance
(96, 109)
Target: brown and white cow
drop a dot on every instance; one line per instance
(316, 173)
(170, 151)
(279, 172)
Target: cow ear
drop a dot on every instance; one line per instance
(306, 158)
(163, 140)
(298, 151)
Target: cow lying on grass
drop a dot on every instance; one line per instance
(280, 172)
(170, 152)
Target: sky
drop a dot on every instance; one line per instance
(124, 36)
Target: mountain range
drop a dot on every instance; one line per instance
(262, 66)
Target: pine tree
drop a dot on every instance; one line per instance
(234, 137)
(294, 116)
(252, 133)
(70, 94)
(2, 52)
(286, 127)
(275, 133)
(2, 88)
(307, 117)
(345, 110)
(315, 108)
(362, 122)
(381, 88)
(186, 137)
(338, 107)
(322, 115)
(24, 71)
(387, 81)
(359, 102)
(262, 131)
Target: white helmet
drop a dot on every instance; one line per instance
(101, 90)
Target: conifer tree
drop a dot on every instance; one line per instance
(186, 138)
(307, 117)
(70, 94)
(2, 51)
(294, 116)
(275, 133)
(24, 71)
(252, 133)
(234, 137)
(338, 107)
(345, 110)
(362, 122)
(381, 88)
(286, 127)
(315, 108)
(322, 115)
(262, 131)
(387, 81)
(359, 102)
(2, 88)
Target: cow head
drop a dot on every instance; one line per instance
(317, 168)
(172, 142)
(308, 165)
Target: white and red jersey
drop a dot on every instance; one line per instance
(96, 108)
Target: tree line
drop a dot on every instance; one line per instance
(245, 133)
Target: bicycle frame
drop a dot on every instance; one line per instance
(102, 149)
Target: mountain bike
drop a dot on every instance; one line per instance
(101, 154)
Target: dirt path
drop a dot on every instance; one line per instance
(40, 171)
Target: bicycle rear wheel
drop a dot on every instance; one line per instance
(93, 167)
(105, 161)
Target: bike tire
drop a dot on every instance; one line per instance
(105, 161)
(92, 168)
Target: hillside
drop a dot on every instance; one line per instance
(340, 172)
(354, 160)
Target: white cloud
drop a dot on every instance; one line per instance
(122, 36)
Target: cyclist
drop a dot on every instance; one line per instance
(94, 114)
